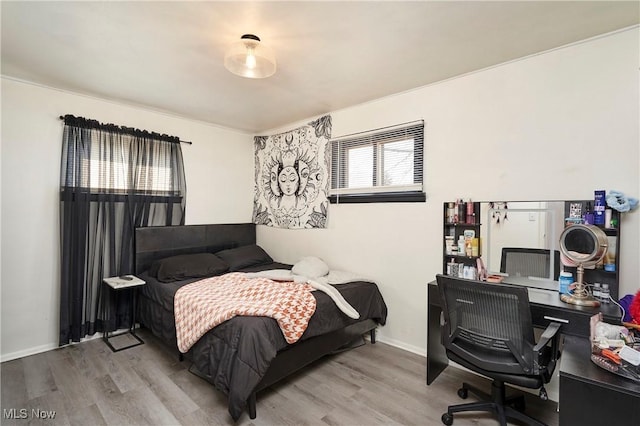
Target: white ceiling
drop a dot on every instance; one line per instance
(168, 56)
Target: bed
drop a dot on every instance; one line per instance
(245, 354)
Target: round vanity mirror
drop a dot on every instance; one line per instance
(582, 246)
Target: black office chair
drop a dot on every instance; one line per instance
(487, 329)
(529, 262)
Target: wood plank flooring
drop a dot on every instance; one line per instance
(87, 384)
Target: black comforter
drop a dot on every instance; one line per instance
(236, 354)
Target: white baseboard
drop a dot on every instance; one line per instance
(27, 352)
(401, 345)
(43, 348)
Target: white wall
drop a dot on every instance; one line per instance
(219, 174)
(554, 126)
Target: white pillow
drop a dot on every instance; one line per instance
(311, 267)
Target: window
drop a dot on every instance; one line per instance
(113, 179)
(384, 165)
(121, 164)
(124, 173)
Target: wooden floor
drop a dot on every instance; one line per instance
(87, 384)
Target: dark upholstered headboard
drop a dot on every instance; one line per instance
(157, 242)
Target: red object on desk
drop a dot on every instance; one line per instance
(634, 309)
(614, 357)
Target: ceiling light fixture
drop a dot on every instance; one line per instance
(250, 58)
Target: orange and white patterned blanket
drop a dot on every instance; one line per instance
(202, 305)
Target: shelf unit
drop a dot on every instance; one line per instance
(599, 274)
(455, 229)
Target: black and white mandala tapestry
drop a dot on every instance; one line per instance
(292, 177)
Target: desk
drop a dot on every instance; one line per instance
(590, 395)
(576, 369)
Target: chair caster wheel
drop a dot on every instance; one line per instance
(543, 394)
(447, 419)
(463, 393)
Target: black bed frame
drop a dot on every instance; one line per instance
(153, 243)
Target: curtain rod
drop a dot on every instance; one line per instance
(379, 128)
(181, 141)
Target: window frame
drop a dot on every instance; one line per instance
(103, 176)
(120, 174)
(340, 191)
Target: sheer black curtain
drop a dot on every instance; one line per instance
(113, 179)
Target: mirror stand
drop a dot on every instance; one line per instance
(580, 294)
(584, 245)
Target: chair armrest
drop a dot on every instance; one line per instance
(551, 331)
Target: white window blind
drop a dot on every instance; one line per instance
(381, 161)
(123, 166)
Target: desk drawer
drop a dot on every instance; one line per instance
(577, 322)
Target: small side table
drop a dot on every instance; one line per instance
(117, 284)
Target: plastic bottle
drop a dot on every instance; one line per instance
(462, 212)
(448, 244)
(473, 273)
(452, 267)
(597, 291)
(588, 215)
(470, 216)
(565, 280)
(599, 206)
(467, 248)
(475, 247)
(604, 293)
(451, 212)
(461, 247)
